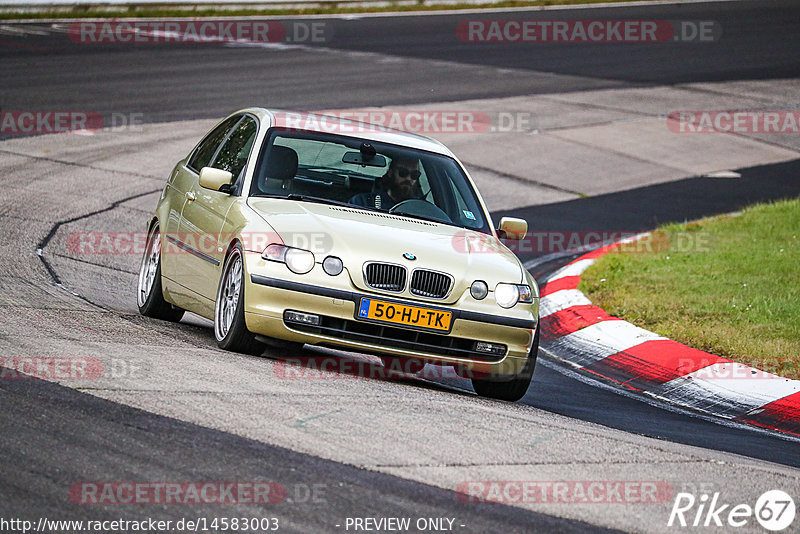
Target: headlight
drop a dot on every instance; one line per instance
(479, 290)
(297, 260)
(506, 295)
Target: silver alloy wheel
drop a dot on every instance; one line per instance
(228, 296)
(149, 266)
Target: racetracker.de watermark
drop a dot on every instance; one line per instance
(333, 368)
(54, 368)
(226, 492)
(588, 31)
(762, 369)
(68, 368)
(564, 491)
(740, 121)
(34, 122)
(558, 241)
(422, 121)
(462, 241)
(182, 31)
(42, 122)
(123, 243)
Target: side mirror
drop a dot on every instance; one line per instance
(214, 179)
(512, 228)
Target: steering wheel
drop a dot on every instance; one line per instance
(422, 208)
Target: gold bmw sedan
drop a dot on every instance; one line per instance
(316, 230)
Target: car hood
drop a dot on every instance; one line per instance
(357, 236)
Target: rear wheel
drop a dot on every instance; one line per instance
(514, 389)
(229, 325)
(149, 295)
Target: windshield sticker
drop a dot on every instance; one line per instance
(469, 215)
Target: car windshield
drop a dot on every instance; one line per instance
(366, 174)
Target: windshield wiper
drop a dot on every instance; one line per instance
(319, 200)
(421, 217)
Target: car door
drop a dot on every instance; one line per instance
(183, 178)
(204, 212)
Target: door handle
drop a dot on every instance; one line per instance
(190, 196)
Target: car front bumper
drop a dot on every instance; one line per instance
(269, 297)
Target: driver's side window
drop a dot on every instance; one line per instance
(233, 155)
(208, 147)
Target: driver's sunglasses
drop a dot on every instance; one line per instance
(404, 173)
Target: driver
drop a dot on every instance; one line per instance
(401, 182)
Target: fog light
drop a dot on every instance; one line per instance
(479, 290)
(300, 317)
(332, 265)
(496, 349)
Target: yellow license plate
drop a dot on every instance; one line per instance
(394, 313)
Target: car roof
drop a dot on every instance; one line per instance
(321, 122)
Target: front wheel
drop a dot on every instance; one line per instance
(149, 295)
(514, 389)
(229, 325)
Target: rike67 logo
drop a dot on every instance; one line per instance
(774, 510)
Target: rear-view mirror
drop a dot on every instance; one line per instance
(357, 158)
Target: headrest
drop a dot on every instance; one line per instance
(281, 163)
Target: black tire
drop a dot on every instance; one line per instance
(230, 329)
(514, 389)
(149, 295)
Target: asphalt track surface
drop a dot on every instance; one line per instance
(96, 437)
(173, 82)
(53, 435)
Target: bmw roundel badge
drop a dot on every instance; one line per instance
(409, 256)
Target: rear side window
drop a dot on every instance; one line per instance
(208, 146)
(232, 157)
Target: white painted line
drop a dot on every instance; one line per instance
(573, 269)
(530, 264)
(25, 30)
(741, 380)
(722, 174)
(740, 371)
(601, 340)
(552, 361)
(615, 335)
(271, 46)
(633, 238)
(561, 300)
(59, 28)
(10, 30)
(724, 397)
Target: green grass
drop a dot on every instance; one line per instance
(144, 11)
(728, 285)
